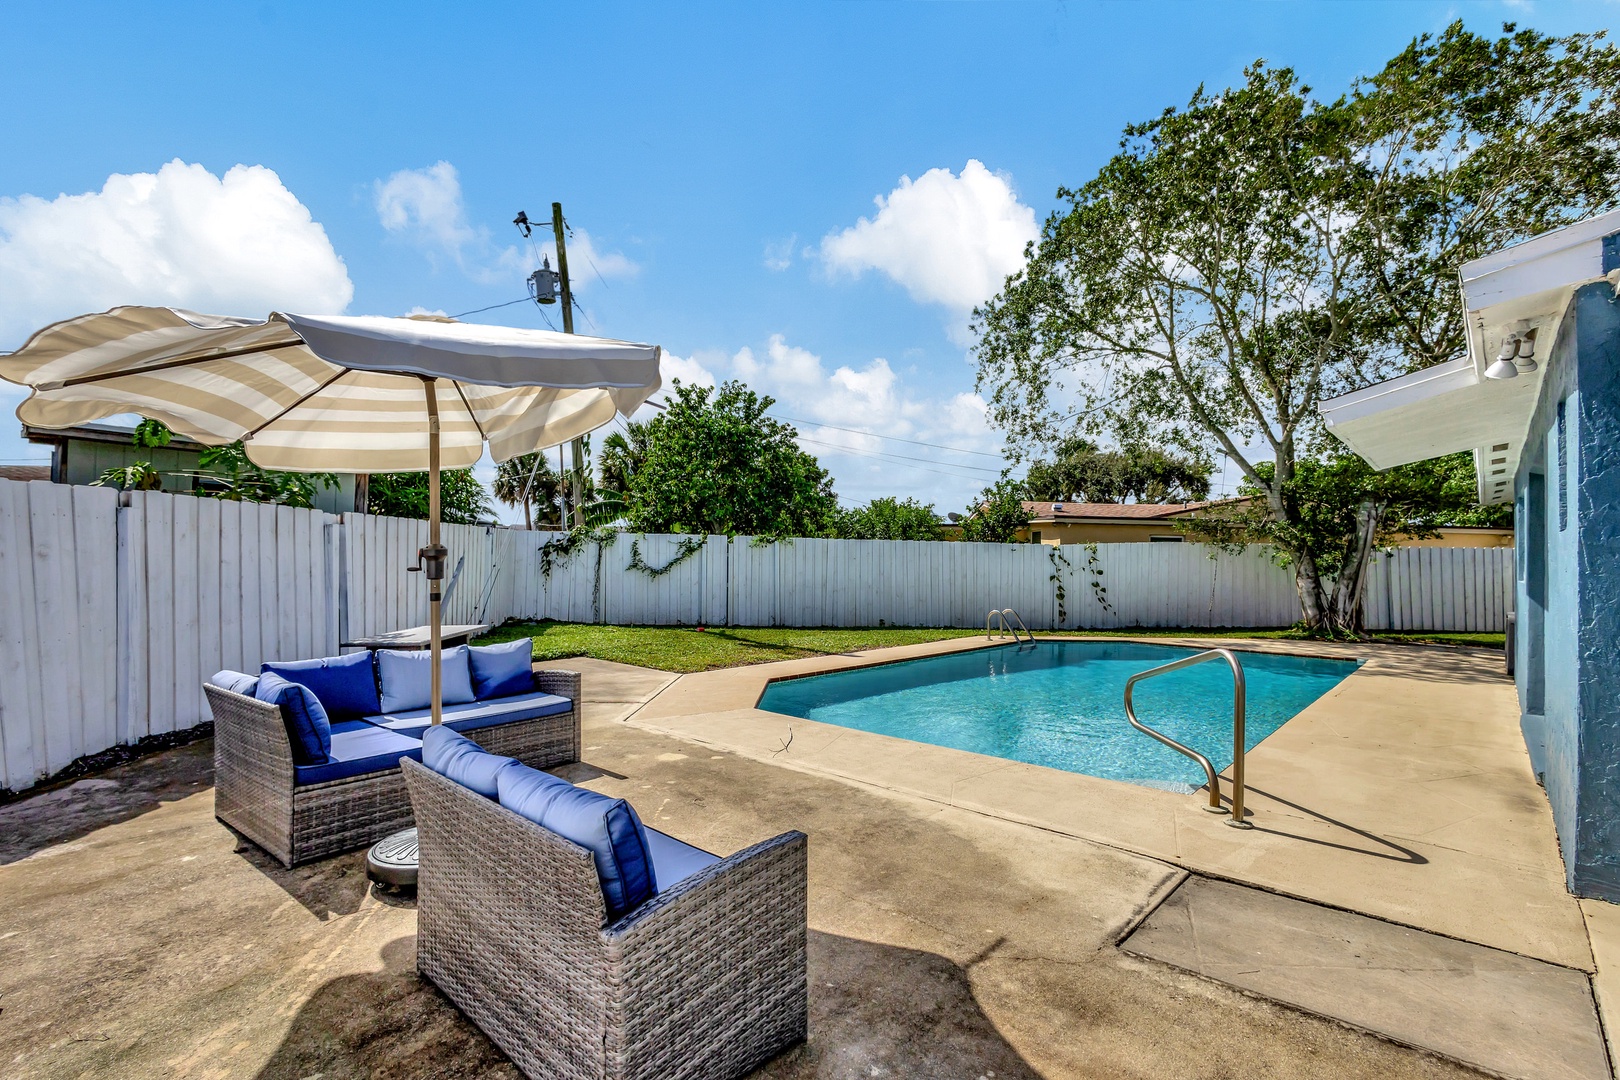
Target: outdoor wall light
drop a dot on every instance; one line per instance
(1518, 354)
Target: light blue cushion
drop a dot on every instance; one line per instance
(451, 754)
(308, 728)
(359, 749)
(406, 678)
(346, 685)
(674, 860)
(237, 682)
(606, 827)
(502, 670)
(473, 715)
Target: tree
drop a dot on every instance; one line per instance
(530, 481)
(1347, 511)
(888, 518)
(1246, 256)
(999, 515)
(1083, 472)
(623, 455)
(462, 499)
(715, 463)
(149, 434)
(228, 474)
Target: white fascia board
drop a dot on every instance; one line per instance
(1395, 393)
(1564, 257)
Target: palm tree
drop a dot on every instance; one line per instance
(530, 481)
(623, 454)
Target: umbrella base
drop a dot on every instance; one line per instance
(392, 860)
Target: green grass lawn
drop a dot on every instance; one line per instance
(683, 649)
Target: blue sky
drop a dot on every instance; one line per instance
(716, 161)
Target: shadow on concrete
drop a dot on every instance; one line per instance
(1384, 849)
(325, 889)
(1441, 664)
(875, 1010)
(68, 812)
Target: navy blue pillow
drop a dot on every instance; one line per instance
(606, 827)
(308, 728)
(346, 685)
(502, 670)
(452, 755)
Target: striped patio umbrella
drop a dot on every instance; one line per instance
(336, 393)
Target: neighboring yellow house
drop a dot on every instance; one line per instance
(1143, 523)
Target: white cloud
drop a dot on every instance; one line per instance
(238, 244)
(947, 239)
(840, 414)
(426, 206)
(779, 255)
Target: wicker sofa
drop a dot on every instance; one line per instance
(705, 980)
(299, 813)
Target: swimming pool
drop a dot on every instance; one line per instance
(1060, 704)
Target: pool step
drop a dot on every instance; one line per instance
(1494, 1010)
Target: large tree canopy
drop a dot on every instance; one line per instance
(714, 462)
(1082, 471)
(1247, 255)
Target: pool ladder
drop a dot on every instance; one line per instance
(1238, 700)
(1000, 618)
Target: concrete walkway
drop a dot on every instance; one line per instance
(1404, 793)
(1505, 1013)
(137, 939)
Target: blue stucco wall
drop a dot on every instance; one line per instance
(1568, 492)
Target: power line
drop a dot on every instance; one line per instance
(492, 307)
(904, 458)
(892, 438)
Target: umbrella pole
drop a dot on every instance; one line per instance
(435, 560)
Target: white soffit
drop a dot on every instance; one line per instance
(1452, 406)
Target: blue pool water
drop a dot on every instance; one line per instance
(1060, 704)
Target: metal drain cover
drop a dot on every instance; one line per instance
(392, 860)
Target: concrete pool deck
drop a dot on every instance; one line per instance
(139, 939)
(1404, 793)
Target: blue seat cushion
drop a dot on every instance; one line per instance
(346, 685)
(475, 714)
(237, 682)
(406, 678)
(358, 749)
(673, 860)
(308, 728)
(502, 670)
(452, 755)
(606, 827)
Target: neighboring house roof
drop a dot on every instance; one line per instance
(25, 472)
(99, 432)
(1084, 511)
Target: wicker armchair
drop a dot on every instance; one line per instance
(256, 793)
(706, 980)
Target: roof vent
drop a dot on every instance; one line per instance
(1057, 508)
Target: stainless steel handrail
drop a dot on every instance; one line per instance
(1239, 697)
(994, 615)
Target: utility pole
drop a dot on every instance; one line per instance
(578, 445)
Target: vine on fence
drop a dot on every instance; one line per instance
(683, 551)
(557, 553)
(1054, 555)
(1094, 568)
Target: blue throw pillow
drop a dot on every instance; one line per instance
(502, 670)
(237, 682)
(346, 685)
(308, 728)
(606, 827)
(454, 756)
(406, 678)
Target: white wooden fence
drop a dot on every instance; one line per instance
(113, 615)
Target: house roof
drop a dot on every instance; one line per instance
(25, 472)
(1452, 406)
(97, 431)
(1089, 511)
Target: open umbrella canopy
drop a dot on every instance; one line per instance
(332, 393)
